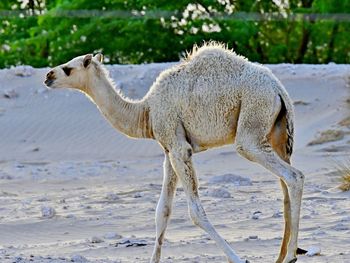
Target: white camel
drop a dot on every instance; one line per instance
(212, 98)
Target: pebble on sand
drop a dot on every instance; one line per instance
(112, 197)
(138, 195)
(96, 240)
(340, 227)
(218, 193)
(24, 71)
(234, 179)
(78, 258)
(256, 215)
(126, 242)
(277, 214)
(10, 94)
(112, 235)
(48, 212)
(313, 251)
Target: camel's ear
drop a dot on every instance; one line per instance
(99, 57)
(87, 60)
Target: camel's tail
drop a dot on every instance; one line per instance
(283, 130)
(287, 110)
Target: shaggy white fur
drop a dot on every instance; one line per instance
(212, 98)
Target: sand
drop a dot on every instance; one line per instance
(74, 189)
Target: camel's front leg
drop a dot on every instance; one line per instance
(164, 207)
(180, 158)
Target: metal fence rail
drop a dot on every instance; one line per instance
(158, 14)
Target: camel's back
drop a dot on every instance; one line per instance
(208, 69)
(212, 73)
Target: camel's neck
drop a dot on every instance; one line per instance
(130, 118)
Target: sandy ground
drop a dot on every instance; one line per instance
(74, 189)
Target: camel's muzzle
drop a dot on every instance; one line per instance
(49, 79)
(48, 82)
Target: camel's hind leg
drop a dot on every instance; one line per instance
(164, 207)
(287, 223)
(278, 140)
(253, 142)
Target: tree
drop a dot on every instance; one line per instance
(141, 31)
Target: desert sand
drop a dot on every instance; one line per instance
(74, 189)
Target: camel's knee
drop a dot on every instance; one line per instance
(163, 212)
(182, 151)
(295, 178)
(300, 177)
(295, 183)
(247, 151)
(196, 219)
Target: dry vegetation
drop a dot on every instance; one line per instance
(343, 170)
(345, 122)
(327, 136)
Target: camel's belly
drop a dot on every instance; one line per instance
(208, 131)
(201, 144)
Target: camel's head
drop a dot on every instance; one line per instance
(74, 74)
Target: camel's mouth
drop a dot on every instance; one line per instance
(49, 82)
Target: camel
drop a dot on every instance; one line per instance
(212, 98)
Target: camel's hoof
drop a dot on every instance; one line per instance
(301, 251)
(293, 260)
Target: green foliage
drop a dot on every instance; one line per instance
(142, 31)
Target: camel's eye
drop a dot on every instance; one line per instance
(67, 70)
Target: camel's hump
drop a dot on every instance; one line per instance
(211, 49)
(214, 54)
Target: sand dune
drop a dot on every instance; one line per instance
(72, 188)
